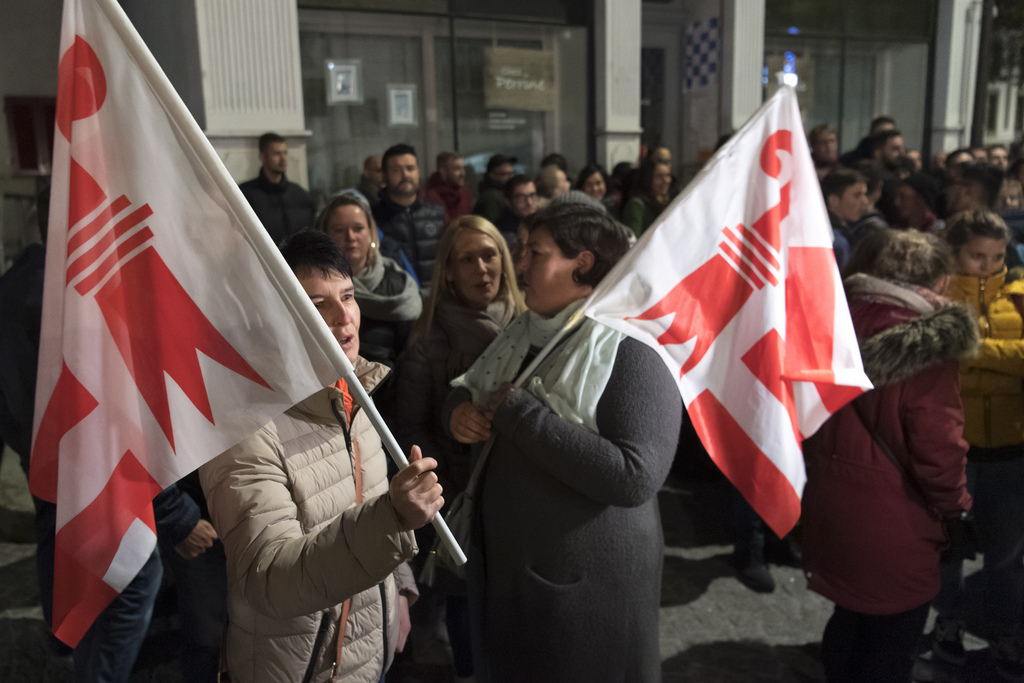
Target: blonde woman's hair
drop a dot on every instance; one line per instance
(351, 199)
(508, 291)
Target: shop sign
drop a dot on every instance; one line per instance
(520, 79)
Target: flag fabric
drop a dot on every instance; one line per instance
(171, 326)
(736, 287)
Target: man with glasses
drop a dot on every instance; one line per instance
(520, 202)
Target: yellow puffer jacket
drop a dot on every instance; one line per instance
(992, 385)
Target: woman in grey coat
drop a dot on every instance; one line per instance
(565, 566)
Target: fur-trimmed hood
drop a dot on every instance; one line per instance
(942, 332)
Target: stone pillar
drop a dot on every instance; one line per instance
(742, 61)
(617, 80)
(956, 68)
(252, 82)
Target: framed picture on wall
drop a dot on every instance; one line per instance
(344, 81)
(401, 105)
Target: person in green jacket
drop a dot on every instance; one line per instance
(651, 198)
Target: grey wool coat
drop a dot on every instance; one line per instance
(565, 568)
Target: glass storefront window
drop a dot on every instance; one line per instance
(854, 62)
(548, 112)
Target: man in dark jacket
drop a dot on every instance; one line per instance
(283, 207)
(447, 187)
(415, 226)
(846, 196)
(491, 199)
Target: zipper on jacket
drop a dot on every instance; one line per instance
(384, 612)
(325, 621)
(986, 326)
(348, 438)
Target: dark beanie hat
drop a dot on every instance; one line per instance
(928, 189)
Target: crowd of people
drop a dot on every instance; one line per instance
(299, 554)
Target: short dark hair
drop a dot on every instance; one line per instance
(989, 178)
(589, 170)
(880, 138)
(444, 157)
(398, 150)
(872, 173)
(512, 183)
(881, 120)
(963, 226)
(310, 251)
(818, 131)
(580, 227)
(838, 180)
(268, 139)
(555, 159)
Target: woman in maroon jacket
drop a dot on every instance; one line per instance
(873, 521)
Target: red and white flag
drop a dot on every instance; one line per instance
(171, 326)
(736, 287)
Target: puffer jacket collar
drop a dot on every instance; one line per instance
(935, 336)
(319, 408)
(970, 288)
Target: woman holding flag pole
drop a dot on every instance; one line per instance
(565, 569)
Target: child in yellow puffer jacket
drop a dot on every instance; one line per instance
(992, 389)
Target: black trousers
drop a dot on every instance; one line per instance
(879, 648)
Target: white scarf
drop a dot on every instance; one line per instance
(570, 380)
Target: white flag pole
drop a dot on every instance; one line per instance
(265, 249)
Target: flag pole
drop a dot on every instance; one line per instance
(274, 264)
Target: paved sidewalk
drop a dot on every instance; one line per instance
(712, 627)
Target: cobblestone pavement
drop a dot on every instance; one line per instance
(712, 627)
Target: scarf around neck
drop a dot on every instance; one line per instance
(406, 305)
(570, 380)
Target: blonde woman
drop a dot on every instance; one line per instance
(473, 296)
(388, 296)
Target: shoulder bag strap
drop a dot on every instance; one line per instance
(901, 466)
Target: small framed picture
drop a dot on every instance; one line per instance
(344, 81)
(402, 105)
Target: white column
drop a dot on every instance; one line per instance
(956, 69)
(252, 80)
(742, 61)
(617, 80)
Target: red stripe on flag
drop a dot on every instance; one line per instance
(759, 245)
(741, 264)
(747, 467)
(87, 544)
(810, 324)
(94, 226)
(69, 404)
(158, 328)
(123, 226)
(752, 257)
(133, 242)
(702, 304)
(84, 194)
(764, 360)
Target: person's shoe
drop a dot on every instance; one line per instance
(754, 574)
(948, 641)
(784, 552)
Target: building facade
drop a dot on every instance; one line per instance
(592, 79)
